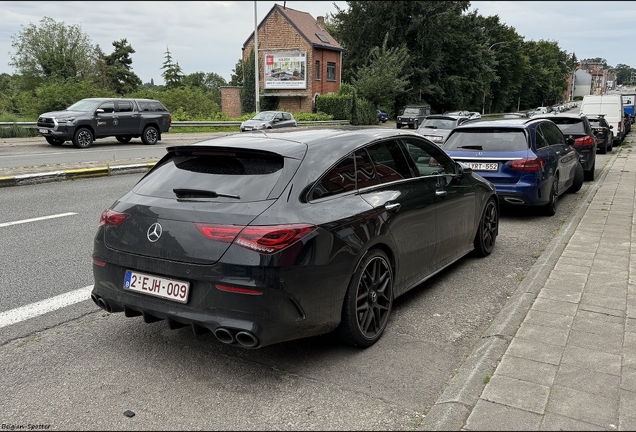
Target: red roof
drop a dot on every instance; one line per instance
(307, 27)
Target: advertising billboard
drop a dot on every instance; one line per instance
(285, 70)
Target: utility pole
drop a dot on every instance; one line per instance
(256, 58)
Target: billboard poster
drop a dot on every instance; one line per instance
(285, 70)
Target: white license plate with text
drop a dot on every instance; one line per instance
(483, 166)
(168, 289)
(44, 131)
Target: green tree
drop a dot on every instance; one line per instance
(52, 50)
(237, 77)
(624, 73)
(117, 65)
(384, 76)
(248, 91)
(208, 82)
(172, 73)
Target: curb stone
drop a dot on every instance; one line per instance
(72, 174)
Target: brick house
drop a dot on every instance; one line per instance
(297, 60)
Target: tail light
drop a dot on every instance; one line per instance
(169, 119)
(584, 141)
(619, 125)
(111, 218)
(263, 239)
(527, 164)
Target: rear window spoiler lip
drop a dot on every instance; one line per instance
(296, 152)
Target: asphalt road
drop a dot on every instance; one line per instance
(81, 368)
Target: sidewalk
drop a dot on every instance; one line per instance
(563, 349)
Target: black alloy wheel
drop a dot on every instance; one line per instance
(488, 229)
(551, 207)
(150, 135)
(589, 175)
(83, 138)
(578, 179)
(54, 141)
(123, 139)
(604, 149)
(368, 301)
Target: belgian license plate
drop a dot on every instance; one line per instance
(483, 166)
(247, 128)
(169, 289)
(44, 131)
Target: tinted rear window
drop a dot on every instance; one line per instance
(569, 125)
(487, 140)
(250, 176)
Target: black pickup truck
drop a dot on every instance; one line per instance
(93, 118)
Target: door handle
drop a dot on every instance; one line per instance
(134, 116)
(441, 193)
(392, 207)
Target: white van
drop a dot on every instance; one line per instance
(612, 106)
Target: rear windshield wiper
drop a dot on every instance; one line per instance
(199, 193)
(472, 147)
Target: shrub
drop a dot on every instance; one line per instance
(339, 107)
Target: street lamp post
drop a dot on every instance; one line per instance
(483, 104)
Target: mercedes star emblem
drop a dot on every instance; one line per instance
(154, 232)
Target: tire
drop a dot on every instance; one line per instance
(368, 301)
(578, 179)
(603, 149)
(610, 146)
(411, 126)
(551, 207)
(150, 135)
(398, 125)
(54, 141)
(83, 138)
(123, 139)
(488, 229)
(589, 175)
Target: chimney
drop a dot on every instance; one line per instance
(321, 22)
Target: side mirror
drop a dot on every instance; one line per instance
(461, 170)
(569, 141)
(276, 120)
(611, 127)
(99, 111)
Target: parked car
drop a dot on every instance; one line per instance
(457, 113)
(264, 238)
(611, 105)
(93, 118)
(474, 115)
(578, 127)
(382, 116)
(603, 132)
(514, 115)
(269, 120)
(540, 110)
(437, 127)
(413, 116)
(528, 160)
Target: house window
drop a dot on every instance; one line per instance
(317, 69)
(331, 71)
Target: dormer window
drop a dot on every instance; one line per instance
(323, 38)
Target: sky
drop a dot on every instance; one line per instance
(208, 36)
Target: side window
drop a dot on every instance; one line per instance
(143, 106)
(108, 107)
(287, 116)
(339, 179)
(389, 161)
(428, 159)
(540, 139)
(553, 134)
(279, 116)
(124, 106)
(365, 174)
(156, 106)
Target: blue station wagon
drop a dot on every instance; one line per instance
(528, 160)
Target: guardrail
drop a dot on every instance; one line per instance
(33, 125)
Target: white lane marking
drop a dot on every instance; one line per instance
(33, 310)
(6, 224)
